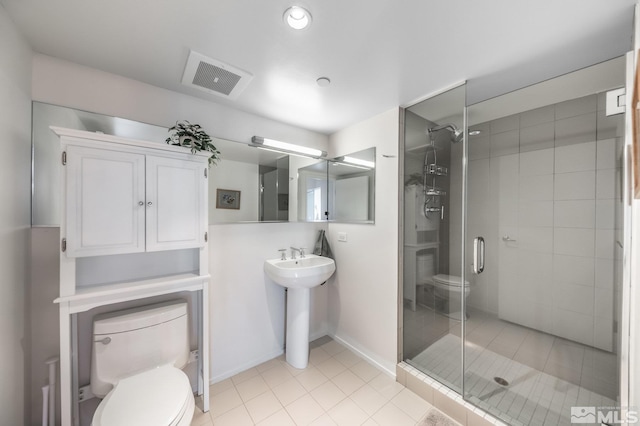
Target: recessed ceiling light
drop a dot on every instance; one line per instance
(323, 81)
(297, 17)
(474, 132)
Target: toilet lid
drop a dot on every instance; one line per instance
(155, 397)
(450, 280)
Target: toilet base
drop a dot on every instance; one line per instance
(457, 316)
(447, 302)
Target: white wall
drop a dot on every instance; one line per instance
(44, 339)
(247, 308)
(64, 83)
(363, 307)
(15, 162)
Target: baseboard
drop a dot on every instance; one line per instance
(239, 369)
(387, 368)
(317, 335)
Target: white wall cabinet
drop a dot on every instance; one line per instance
(105, 203)
(123, 199)
(128, 202)
(176, 193)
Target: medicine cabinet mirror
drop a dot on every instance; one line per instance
(339, 189)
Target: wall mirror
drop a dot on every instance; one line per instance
(260, 179)
(351, 187)
(247, 185)
(312, 192)
(339, 189)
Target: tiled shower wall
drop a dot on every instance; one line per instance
(549, 179)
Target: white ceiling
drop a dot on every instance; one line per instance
(378, 53)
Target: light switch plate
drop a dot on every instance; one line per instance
(342, 236)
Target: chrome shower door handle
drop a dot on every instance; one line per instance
(478, 255)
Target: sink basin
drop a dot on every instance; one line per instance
(299, 276)
(306, 272)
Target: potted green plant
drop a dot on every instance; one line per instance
(192, 136)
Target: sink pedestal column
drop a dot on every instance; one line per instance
(297, 349)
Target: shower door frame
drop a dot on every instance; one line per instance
(624, 358)
(627, 191)
(401, 202)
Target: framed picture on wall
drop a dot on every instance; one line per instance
(227, 199)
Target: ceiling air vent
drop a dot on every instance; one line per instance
(214, 76)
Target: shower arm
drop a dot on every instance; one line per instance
(456, 134)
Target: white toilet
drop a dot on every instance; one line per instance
(135, 366)
(450, 287)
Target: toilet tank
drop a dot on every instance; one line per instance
(134, 340)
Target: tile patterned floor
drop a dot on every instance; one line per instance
(337, 388)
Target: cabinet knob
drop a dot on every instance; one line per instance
(141, 203)
(149, 204)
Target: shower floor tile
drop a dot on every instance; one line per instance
(547, 375)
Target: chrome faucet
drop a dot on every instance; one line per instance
(299, 250)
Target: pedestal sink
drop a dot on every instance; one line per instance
(299, 276)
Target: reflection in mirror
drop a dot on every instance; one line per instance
(274, 190)
(312, 192)
(339, 190)
(351, 181)
(260, 178)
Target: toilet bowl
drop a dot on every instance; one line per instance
(161, 396)
(450, 287)
(136, 367)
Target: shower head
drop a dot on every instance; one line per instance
(456, 134)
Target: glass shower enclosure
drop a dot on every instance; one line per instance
(513, 244)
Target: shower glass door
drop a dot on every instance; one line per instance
(543, 171)
(432, 314)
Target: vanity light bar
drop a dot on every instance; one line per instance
(359, 162)
(288, 148)
(354, 162)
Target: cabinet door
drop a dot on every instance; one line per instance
(105, 202)
(175, 203)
